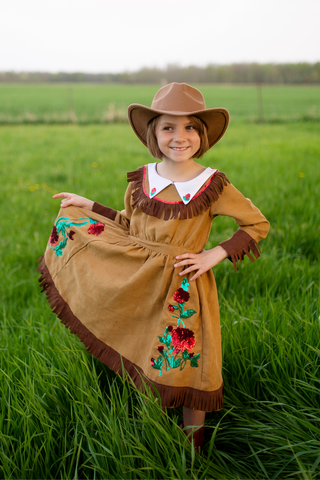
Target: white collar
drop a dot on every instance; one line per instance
(186, 190)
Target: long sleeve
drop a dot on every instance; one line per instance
(123, 217)
(253, 226)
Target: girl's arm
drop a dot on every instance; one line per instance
(253, 227)
(122, 217)
(73, 199)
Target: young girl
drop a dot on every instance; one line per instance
(137, 286)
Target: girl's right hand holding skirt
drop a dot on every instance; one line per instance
(75, 200)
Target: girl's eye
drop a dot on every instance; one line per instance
(190, 127)
(167, 128)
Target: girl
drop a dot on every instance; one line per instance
(137, 286)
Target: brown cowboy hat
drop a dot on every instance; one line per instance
(179, 99)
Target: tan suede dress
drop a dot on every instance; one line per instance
(110, 278)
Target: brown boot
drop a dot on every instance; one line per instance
(197, 437)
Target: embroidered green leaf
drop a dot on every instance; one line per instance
(58, 249)
(166, 339)
(176, 362)
(194, 360)
(185, 354)
(158, 363)
(187, 313)
(61, 227)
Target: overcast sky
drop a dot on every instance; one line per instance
(119, 35)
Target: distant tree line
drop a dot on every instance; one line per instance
(241, 73)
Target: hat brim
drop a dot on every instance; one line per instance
(216, 120)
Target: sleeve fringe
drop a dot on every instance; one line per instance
(239, 245)
(252, 246)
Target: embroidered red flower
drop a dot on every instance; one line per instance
(187, 196)
(71, 233)
(152, 361)
(170, 328)
(54, 237)
(170, 308)
(181, 296)
(96, 228)
(182, 339)
(160, 349)
(153, 191)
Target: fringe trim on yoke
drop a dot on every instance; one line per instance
(170, 396)
(155, 207)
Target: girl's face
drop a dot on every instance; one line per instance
(177, 139)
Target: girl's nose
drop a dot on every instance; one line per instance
(180, 135)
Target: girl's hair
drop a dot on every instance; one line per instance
(196, 122)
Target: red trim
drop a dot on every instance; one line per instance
(176, 203)
(206, 185)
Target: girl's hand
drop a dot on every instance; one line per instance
(73, 199)
(201, 261)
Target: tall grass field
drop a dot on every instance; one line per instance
(107, 103)
(64, 414)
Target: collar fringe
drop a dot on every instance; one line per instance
(156, 208)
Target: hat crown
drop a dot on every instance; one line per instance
(178, 97)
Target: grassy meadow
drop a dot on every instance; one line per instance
(65, 415)
(107, 103)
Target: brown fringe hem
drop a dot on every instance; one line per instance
(156, 208)
(170, 396)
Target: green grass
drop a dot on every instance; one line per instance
(87, 103)
(65, 415)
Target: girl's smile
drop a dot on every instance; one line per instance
(177, 138)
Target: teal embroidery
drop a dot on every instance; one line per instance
(178, 342)
(61, 226)
(185, 285)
